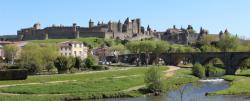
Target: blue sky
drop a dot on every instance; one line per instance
(214, 15)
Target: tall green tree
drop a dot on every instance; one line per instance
(134, 47)
(49, 54)
(31, 58)
(10, 52)
(228, 43)
(147, 47)
(160, 47)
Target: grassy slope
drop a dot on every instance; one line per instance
(93, 41)
(238, 86)
(91, 85)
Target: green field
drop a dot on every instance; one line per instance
(239, 84)
(86, 85)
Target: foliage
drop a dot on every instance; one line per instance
(78, 63)
(99, 67)
(198, 70)
(160, 47)
(36, 57)
(228, 43)
(90, 61)
(49, 53)
(30, 58)
(153, 80)
(209, 48)
(245, 64)
(10, 52)
(13, 74)
(63, 63)
(212, 71)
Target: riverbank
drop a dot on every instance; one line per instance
(239, 85)
(89, 85)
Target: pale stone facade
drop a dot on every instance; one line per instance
(72, 48)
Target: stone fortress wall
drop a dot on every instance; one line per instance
(109, 30)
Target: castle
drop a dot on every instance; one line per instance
(115, 30)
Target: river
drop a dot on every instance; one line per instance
(192, 92)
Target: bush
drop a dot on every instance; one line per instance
(90, 61)
(63, 63)
(213, 71)
(13, 74)
(99, 67)
(153, 80)
(198, 70)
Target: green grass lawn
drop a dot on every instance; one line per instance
(87, 85)
(239, 85)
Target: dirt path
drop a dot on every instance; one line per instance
(168, 73)
(171, 71)
(37, 83)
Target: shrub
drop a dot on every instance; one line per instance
(198, 70)
(90, 61)
(63, 63)
(153, 80)
(99, 67)
(213, 71)
(13, 74)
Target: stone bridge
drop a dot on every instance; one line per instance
(231, 60)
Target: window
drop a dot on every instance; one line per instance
(75, 45)
(65, 54)
(75, 52)
(80, 52)
(69, 54)
(80, 45)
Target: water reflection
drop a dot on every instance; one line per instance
(193, 92)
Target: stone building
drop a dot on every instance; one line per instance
(182, 35)
(114, 30)
(72, 48)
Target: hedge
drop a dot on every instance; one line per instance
(13, 74)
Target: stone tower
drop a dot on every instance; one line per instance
(37, 26)
(119, 26)
(138, 21)
(91, 24)
(110, 26)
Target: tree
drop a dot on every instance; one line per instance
(147, 47)
(160, 47)
(49, 54)
(117, 50)
(198, 70)
(207, 39)
(134, 47)
(10, 52)
(64, 64)
(209, 48)
(30, 58)
(228, 43)
(153, 80)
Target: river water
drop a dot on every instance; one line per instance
(192, 92)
